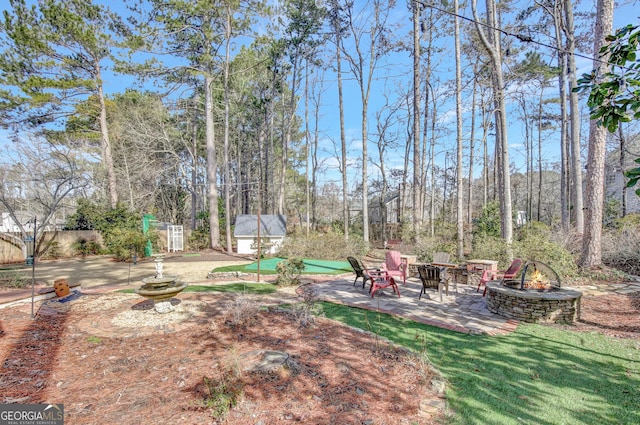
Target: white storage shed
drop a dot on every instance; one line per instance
(273, 229)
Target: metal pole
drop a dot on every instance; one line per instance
(33, 269)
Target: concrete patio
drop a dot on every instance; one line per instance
(464, 311)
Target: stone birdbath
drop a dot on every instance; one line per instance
(160, 289)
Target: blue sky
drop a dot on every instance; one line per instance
(394, 74)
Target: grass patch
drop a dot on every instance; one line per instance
(14, 278)
(535, 375)
(249, 288)
(242, 269)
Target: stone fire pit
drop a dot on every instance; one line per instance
(559, 306)
(536, 297)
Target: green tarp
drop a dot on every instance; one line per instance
(310, 266)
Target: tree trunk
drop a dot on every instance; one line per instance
(485, 153)
(416, 214)
(539, 200)
(574, 110)
(433, 169)
(472, 143)
(564, 139)
(459, 188)
(592, 239)
(194, 176)
(306, 144)
(492, 45)
(227, 173)
(365, 155)
(106, 144)
(622, 168)
(212, 165)
(337, 30)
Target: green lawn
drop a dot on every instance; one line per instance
(536, 375)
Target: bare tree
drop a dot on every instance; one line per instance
(336, 22)
(459, 188)
(37, 177)
(416, 214)
(362, 64)
(491, 43)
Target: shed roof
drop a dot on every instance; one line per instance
(270, 225)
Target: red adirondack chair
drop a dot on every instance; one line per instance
(489, 275)
(381, 279)
(394, 266)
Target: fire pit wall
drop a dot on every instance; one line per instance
(558, 306)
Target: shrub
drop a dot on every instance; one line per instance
(323, 246)
(51, 251)
(85, 247)
(222, 395)
(443, 241)
(199, 238)
(289, 271)
(121, 228)
(538, 246)
(305, 312)
(13, 279)
(241, 311)
(122, 243)
(488, 224)
(623, 256)
(533, 242)
(487, 246)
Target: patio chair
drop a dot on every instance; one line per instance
(394, 266)
(441, 257)
(430, 278)
(381, 279)
(359, 271)
(489, 275)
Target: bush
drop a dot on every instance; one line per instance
(222, 395)
(86, 247)
(533, 242)
(491, 247)
(323, 246)
(623, 256)
(51, 251)
(123, 243)
(121, 229)
(199, 238)
(289, 271)
(537, 246)
(488, 224)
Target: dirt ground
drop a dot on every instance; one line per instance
(84, 354)
(109, 358)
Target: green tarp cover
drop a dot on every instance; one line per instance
(310, 266)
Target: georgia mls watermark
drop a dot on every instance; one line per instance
(31, 414)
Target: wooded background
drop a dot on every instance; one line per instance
(199, 110)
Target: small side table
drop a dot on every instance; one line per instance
(408, 260)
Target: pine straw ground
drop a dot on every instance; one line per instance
(175, 372)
